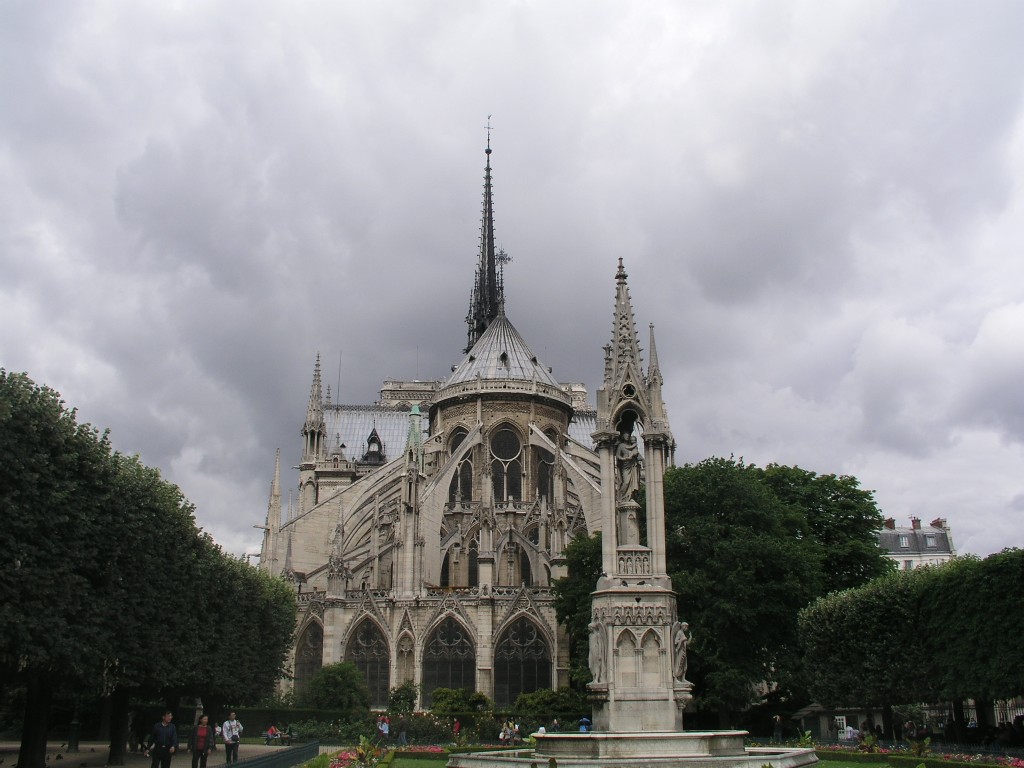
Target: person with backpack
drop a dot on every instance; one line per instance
(231, 732)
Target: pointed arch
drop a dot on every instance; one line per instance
(460, 559)
(517, 560)
(522, 660)
(449, 658)
(406, 657)
(505, 447)
(626, 650)
(460, 490)
(650, 659)
(309, 654)
(367, 648)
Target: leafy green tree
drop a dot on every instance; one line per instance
(54, 490)
(572, 601)
(456, 701)
(920, 635)
(544, 705)
(865, 646)
(742, 569)
(842, 516)
(340, 686)
(119, 593)
(402, 698)
(972, 621)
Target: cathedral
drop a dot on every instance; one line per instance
(428, 527)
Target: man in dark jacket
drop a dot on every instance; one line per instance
(163, 741)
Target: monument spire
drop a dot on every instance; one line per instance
(484, 299)
(633, 608)
(623, 368)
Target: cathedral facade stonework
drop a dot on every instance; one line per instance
(428, 527)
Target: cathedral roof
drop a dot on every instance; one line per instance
(501, 353)
(351, 424)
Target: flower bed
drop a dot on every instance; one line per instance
(903, 759)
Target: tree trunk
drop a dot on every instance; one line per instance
(887, 728)
(118, 707)
(104, 729)
(33, 733)
(959, 722)
(983, 714)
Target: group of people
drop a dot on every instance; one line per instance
(384, 730)
(510, 733)
(162, 743)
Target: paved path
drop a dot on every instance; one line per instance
(93, 754)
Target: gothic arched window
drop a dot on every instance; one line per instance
(406, 656)
(368, 650)
(507, 465)
(522, 662)
(309, 656)
(449, 660)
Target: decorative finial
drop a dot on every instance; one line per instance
(488, 150)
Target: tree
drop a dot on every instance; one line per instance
(842, 516)
(54, 487)
(544, 705)
(865, 646)
(918, 635)
(340, 686)
(572, 601)
(402, 698)
(971, 611)
(457, 701)
(742, 570)
(118, 592)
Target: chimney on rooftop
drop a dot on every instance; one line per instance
(939, 522)
(915, 523)
(890, 524)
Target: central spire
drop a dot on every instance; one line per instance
(487, 294)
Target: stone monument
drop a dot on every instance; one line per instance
(638, 644)
(639, 663)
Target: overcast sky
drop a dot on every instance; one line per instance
(819, 205)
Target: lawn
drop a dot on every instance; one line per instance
(399, 762)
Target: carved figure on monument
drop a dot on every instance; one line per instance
(680, 641)
(628, 463)
(597, 651)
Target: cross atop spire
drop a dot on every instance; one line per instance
(487, 294)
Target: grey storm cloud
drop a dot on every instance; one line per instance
(818, 206)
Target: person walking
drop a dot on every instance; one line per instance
(200, 742)
(163, 742)
(231, 732)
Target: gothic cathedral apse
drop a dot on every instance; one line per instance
(427, 528)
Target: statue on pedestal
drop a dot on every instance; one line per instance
(680, 640)
(628, 465)
(597, 651)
